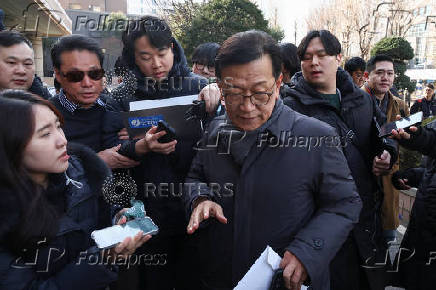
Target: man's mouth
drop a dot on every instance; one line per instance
(316, 73)
(247, 118)
(159, 75)
(88, 95)
(19, 82)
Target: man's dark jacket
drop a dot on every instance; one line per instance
(356, 125)
(84, 126)
(166, 210)
(290, 197)
(427, 107)
(417, 265)
(38, 88)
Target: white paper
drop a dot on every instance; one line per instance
(261, 272)
(151, 104)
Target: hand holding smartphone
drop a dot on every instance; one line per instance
(170, 132)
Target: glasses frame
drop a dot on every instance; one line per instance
(202, 66)
(71, 80)
(250, 96)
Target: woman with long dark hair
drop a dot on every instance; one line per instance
(50, 202)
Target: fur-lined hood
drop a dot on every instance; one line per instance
(85, 163)
(85, 167)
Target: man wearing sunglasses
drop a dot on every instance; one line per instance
(77, 62)
(300, 201)
(326, 92)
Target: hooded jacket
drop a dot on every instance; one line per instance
(165, 208)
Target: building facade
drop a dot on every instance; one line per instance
(96, 5)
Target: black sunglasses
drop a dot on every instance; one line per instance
(76, 76)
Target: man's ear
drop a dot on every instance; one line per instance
(57, 74)
(339, 58)
(279, 80)
(366, 74)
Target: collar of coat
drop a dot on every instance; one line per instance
(310, 96)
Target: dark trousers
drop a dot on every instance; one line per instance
(170, 263)
(347, 271)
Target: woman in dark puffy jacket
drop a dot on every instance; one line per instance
(417, 258)
(50, 203)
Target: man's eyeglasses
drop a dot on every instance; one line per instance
(257, 99)
(201, 67)
(76, 76)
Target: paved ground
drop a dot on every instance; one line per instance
(394, 249)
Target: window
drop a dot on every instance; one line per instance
(417, 30)
(75, 6)
(428, 10)
(422, 11)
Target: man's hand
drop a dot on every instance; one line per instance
(380, 165)
(123, 134)
(129, 245)
(211, 95)
(294, 272)
(150, 143)
(400, 134)
(202, 211)
(403, 135)
(113, 159)
(402, 184)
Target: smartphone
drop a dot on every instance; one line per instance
(169, 136)
(111, 236)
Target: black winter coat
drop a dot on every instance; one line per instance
(63, 263)
(164, 207)
(417, 264)
(355, 123)
(38, 88)
(428, 108)
(289, 196)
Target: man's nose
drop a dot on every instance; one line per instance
(315, 60)
(86, 82)
(246, 104)
(156, 62)
(20, 69)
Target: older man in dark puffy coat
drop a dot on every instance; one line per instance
(326, 92)
(268, 176)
